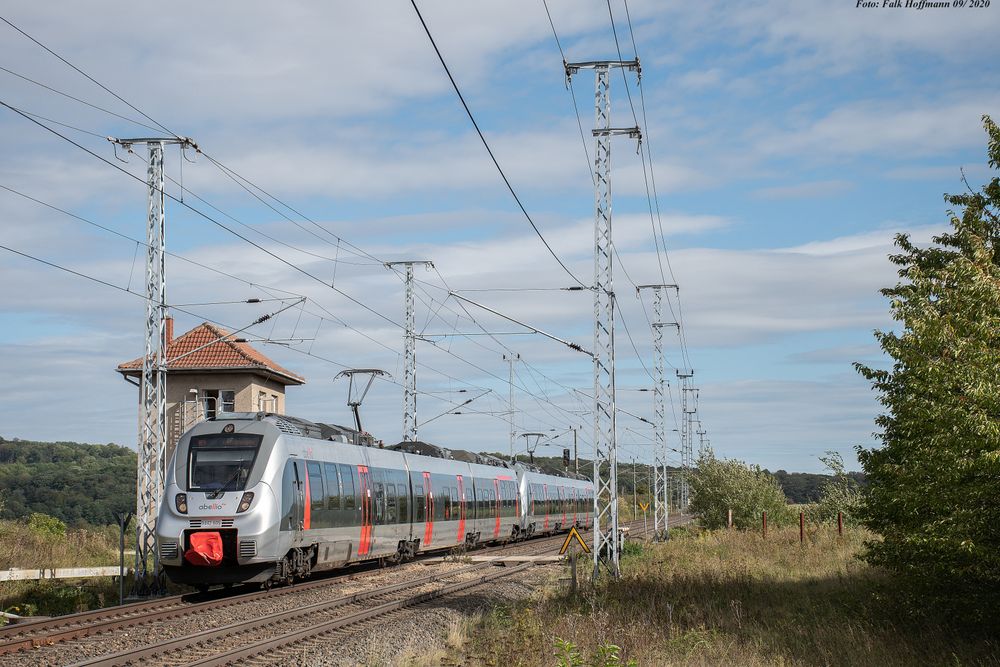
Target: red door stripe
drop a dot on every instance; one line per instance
(364, 545)
(461, 511)
(307, 510)
(429, 511)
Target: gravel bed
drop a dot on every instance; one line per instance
(151, 633)
(416, 635)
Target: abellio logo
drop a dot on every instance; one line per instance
(213, 506)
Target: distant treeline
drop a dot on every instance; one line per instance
(80, 483)
(799, 487)
(806, 487)
(74, 482)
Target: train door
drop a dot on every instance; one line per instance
(576, 503)
(365, 541)
(563, 499)
(496, 508)
(301, 493)
(545, 504)
(428, 511)
(461, 510)
(292, 500)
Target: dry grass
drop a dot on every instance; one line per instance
(728, 598)
(20, 546)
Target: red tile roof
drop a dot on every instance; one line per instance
(218, 351)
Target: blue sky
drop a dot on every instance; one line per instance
(790, 142)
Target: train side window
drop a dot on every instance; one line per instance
(418, 503)
(454, 502)
(446, 501)
(390, 497)
(316, 491)
(347, 478)
(379, 503)
(403, 491)
(333, 486)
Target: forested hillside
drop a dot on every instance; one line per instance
(807, 487)
(77, 483)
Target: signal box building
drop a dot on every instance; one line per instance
(209, 370)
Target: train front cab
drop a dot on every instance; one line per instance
(218, 511)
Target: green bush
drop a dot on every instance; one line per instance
(43, 524)
(720, 485)
(839, 494)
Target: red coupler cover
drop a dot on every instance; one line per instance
(206, 549)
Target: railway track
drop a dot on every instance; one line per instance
(313, 619)
(46, 632)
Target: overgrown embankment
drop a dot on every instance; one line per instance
(727, 598)
(44, 542)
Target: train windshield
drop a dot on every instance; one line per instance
(222, 462)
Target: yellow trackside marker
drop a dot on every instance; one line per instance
(644, 506)
(573, 533)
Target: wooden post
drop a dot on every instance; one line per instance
(802, 527)
(729, 519)
(840, 523)
(572, 570)
(764, 523)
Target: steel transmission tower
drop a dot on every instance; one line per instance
(689, 406)
(510, 359)
(153, 384)
(409, 353)
(661, 500)
(606, 534)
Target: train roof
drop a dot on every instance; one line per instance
(549, 470)
(302, 427)
(422, 448)
(345, 434)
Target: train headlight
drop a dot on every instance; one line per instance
(181, 503)
(245, 502)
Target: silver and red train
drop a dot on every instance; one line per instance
(255, 497)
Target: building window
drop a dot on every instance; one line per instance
(218, 400)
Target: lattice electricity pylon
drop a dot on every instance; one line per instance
(688, 408)
(409, 353)
(661, 499)
(606, 535)
(152, 387)
(510, 359)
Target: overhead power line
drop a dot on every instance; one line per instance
(231, 173)
(487, 146)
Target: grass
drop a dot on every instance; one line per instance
(726, 598)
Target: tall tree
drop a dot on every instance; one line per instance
(934, 484)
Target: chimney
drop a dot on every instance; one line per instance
(169, 322)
